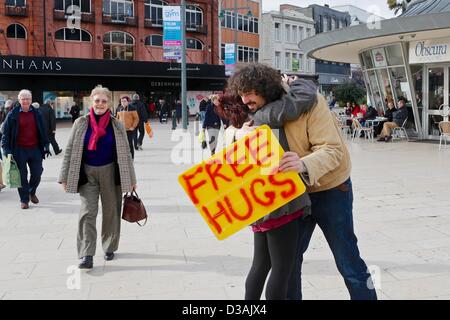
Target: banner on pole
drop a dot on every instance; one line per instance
(172, 32)
(230, 58)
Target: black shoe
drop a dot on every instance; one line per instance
(387, 139)
(58, 152)
(109, 256)
(87, 262)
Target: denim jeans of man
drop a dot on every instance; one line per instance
(332, 211)
(33, 158)
(202, 117)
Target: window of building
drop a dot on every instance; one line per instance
(277, 31)
(154, 11)
(300, 33)
(255, 25)
(308, 32)
(287, 60)
(194, 16)
(84, 5)
(155, 40)
(333, 23)
(118, 45)
(248, 54)
(277, 60)
(16, 3)
(195, 44)
(16, 31)
(118, 9)
(325, 27)
(288, 32)
(245, 23)
(394, 55)
(66, 34)
(294, 34)
(240, 19)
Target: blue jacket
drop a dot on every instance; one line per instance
(11, 132)
(212, 120)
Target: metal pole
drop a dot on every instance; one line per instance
(235, 10)
(45, 29)
(184, 110)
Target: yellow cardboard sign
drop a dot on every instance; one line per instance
(241, 184)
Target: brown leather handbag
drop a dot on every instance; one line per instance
(133, 208)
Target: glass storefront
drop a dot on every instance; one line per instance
(384, 69)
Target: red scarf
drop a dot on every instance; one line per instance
(98, 129)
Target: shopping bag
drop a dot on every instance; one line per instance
(11, 174)
(202, 139)
(148, 129)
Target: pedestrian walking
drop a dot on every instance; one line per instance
(74, 111)
(212, 123)
(127, 114)
(24, 137)
(319, 154)
(97, 164)
(143, 118)
(2, 119)
(49, 117)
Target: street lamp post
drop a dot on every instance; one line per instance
(184, 114)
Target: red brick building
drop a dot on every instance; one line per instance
(124, 37)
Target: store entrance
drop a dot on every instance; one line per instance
(437, 101)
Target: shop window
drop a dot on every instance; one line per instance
(195, 44)
(118, 45)
(154, 11)
(394, 55)
(66, 34)
(367, 58)
(16, 31)
(155, 40)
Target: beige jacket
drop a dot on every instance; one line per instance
(70, 169)
(317, 139)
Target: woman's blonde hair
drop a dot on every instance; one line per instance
(213, 97)
(102, 90)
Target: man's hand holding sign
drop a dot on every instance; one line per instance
(243, 183)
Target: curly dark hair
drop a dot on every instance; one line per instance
(233, 109)
(264, 80)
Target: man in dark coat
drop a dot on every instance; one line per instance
(143, 118)
(49, 118)
(74, 112)
(25, 138)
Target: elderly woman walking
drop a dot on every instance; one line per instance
(97, 164)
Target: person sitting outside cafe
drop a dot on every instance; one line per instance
(388, 115)
(398, 117)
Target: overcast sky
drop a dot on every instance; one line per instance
(369, 5)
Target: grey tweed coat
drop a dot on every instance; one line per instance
(70, 170)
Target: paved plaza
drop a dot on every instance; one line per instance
(401, 217)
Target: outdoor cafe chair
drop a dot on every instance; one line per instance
(399, 133)
(444, 130)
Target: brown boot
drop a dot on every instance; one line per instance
(24, 205)
(34, 199)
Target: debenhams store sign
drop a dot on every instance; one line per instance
(35, 65)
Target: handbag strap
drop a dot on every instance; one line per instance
(143, 224)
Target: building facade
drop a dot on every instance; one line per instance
(330, 73)
(407, 56)
(281, 33)
(240, 24)
(122, 35)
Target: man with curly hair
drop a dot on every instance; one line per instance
(319, 154)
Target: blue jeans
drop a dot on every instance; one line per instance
(202, 117)
(332, 211)
(32, 158)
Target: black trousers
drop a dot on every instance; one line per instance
(139, 139)
(274, 250)
(51, 137)
(131, 135)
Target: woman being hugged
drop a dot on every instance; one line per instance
(97, 164)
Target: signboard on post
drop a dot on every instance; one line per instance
(172, 32)
(241, 184)
(230, 58)
(295, 64)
